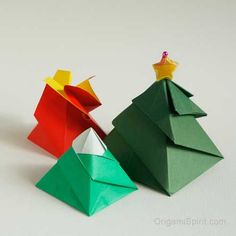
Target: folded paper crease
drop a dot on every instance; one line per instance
(63, 113)
(95, 177)
(159, 133)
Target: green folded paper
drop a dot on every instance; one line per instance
(158, 140)
(87, 176)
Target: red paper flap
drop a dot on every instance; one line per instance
(81, 98)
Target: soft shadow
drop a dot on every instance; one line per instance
(156, 189)
(32, 173)
(14, 131)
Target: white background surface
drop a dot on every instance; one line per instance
(118, 41)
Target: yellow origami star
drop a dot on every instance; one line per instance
(165, 67)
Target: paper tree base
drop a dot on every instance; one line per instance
(158, 146)
(86, 181)
(184, 165)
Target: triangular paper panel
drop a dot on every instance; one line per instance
(60, 79)
(105, 170)
(85, 85)
(133, 125)
(56, 184)
(68, 181)
(185, 165)
(88, 143)
(63, 77)
(80, 97)
(188, 133)
(131, 162)
(154, 103)
(90, 182)
(187, 93)
(182, 104)
(103, 195)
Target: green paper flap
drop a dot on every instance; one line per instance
(185, 131)
(188, 133)
(182, 104)
(75, 172)
(109, 155)
(187, 93)
(70, 181)
(55, 183)
(154, 103)
(184, 165)
(75, 181)
(106, 170)
(146, 139)
(103, 195)
(131, 161)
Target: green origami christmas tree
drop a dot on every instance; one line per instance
(158, 140)
(87, 176)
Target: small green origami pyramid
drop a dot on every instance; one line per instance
(87, 176)
(158, 140)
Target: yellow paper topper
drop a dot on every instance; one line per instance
(165, 67)
(63, 77)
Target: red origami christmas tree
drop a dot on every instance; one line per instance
(63, 113)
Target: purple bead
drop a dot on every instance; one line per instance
(165, 54)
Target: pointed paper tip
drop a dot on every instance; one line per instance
(91, 130)
(85, 85)
(63, 77)
(85, 81)
(91, 77)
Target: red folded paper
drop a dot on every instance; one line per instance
(63, 113)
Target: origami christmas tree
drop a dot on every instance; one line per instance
(87, 176)
(63, 113)
(158, 140)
